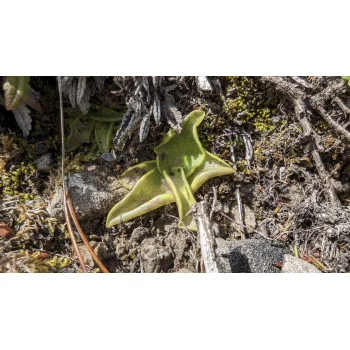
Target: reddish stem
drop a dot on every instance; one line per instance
(82, 235)
(73, 239)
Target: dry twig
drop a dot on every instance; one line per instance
(299, 99)
(83, 236)
(206, 239)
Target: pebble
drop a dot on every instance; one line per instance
(44, 162)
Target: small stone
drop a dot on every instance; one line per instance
(139, 234)
(291, 264)
(204, 84)
(44, 162)
(93, 192)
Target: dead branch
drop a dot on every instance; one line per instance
(248, 149)
(206, 239)
(302, 82)
(241, 214)
(337, 127)
(341, 105)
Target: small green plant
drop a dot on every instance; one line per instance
(99, 123)
(17, 95)
(181, 167)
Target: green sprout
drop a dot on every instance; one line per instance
(100, 122)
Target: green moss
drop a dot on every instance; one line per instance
(322, 126)
(19, 181)
(76, 163)
(248, 106)
(23, 261)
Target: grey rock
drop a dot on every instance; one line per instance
(154, 257)
(139, 234)
(93, 192)
(250, 255)
(44, 162)
(292, 264)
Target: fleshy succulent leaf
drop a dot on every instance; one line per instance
(148, 194)
(183, 196)
(184, 149)
(104, 132)
(212, 166)
(130, 177)
(81, 131)
(100, 119)
(104, 114)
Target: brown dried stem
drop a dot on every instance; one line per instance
(82, 235)
(342, 106)
(337, 127)
(72, 237)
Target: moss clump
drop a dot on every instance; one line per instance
(17, 177)
(19, 181)
(248, 106)
(23, 261)
(75, 164)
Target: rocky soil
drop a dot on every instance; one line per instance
(285, 209)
